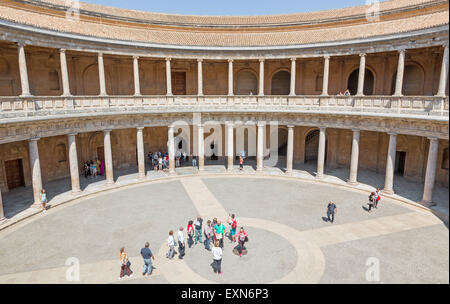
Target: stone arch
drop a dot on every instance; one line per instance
(413, 80)
(281, 82)
(246, 82)
(90, 78)
(311, 140)
(369, 81)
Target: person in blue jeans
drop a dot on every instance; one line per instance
(148, 256)
(208, 235)
(194, 161)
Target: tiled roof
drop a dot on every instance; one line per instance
(173, 35)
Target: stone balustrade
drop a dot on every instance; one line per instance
(17, 107)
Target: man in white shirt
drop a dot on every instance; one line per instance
(181, 243)
(171, 244)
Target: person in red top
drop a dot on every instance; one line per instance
(242, 238)
(190, 232)
(241, 163)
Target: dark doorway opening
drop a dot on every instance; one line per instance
(352, 83)
(179, 83)
(14, 173)
(400, 159)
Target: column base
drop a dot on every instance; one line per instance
(288, 172)
(141, 177)
(427, 204)
(388, 191)
(110, 183)
(319, 176)
(3, 219)
(352, 183)
(76, 192)
(37, 205)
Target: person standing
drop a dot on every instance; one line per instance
(233, 222)
(125, 268)
(331, 211)
(43, 200)
(241, 163)
(219, 231)
(102, 168)
(242, 238)
(217, 258)
(181, 244)
(148, 256)
(208, 235)
(190, 232)
(198, 229)
(194, 161)
(171, 244)
(371, 200)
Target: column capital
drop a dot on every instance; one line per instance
(200, 125)
(445, 44)
(107, 130)
(135, 57)
(229, 123)
(392, 133)
(261, 59)
(100, 54)
(356, 130)
(62, 51)
(199, 59)
(139, 128)
(362, 54)
(20, 44)
(290, 126)
(261, 124)
(230, 60)
(168, 59)
(402, 50)
(433, 139)
(72, 134)
(326, 56)
(322, 128)
(293, 59)
(34, 138)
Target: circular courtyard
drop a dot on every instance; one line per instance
(290, 240)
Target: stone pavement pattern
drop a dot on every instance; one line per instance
(283, 217)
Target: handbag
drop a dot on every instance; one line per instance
(128, 263)
(246, 239)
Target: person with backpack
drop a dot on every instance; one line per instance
(198, 229)
(242, 238)
(190, 232)
(371, 201)
(233, 222)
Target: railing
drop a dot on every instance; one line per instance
(16, 107)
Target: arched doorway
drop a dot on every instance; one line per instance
(312, 145)
(246, 83)
(281, 83)
(352, 82)
(413, 80)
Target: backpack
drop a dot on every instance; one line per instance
(234, 224)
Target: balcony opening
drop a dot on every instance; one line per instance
(281, 83)
(352, 83)
(179, 83)
(413, 80)
(246, 83)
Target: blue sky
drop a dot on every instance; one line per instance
(229, 7)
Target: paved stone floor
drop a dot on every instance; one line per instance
(290, 241)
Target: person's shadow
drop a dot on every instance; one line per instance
(325, 219)
(365, 208)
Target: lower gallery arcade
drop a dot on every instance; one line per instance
(40, 160)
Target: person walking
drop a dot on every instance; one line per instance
(44, 200)
(242, 238)
(371, 201)
(194, 161)
(331, 211)
(377, 197)
(241, 163)
(171, 244)
(190, 232)
(217, 258)
(148, 256)
(198, 229)
(208, 235)
(125, 268)
(219, 231)
(233, 222)
(181, 243)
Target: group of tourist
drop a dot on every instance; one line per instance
(94, 168)
(213, 231)
(346, 93)
(160, 161)
(374, 198)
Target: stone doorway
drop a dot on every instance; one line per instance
(400, 160)
(312, 146)
(14, 173)
(179, 83)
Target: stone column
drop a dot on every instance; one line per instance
(260, 147)
(35, 166)
(362, 70)
(230, 77)
(2, 213)
(171, 149)
(321, 153)
(108, 157)
(201, 148)
(23, 71)
(168, 77)
(326, 70)
(293, 65)
(230, 146)
(140, 152)
(400, 69)
(137, 84)
(430, 174)
(354, 158)
(444, 73)
(73, 163)
(101, 75)
(64, 72)
(390, 163)
(200, 77)
(290, 150)
(261, 77)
